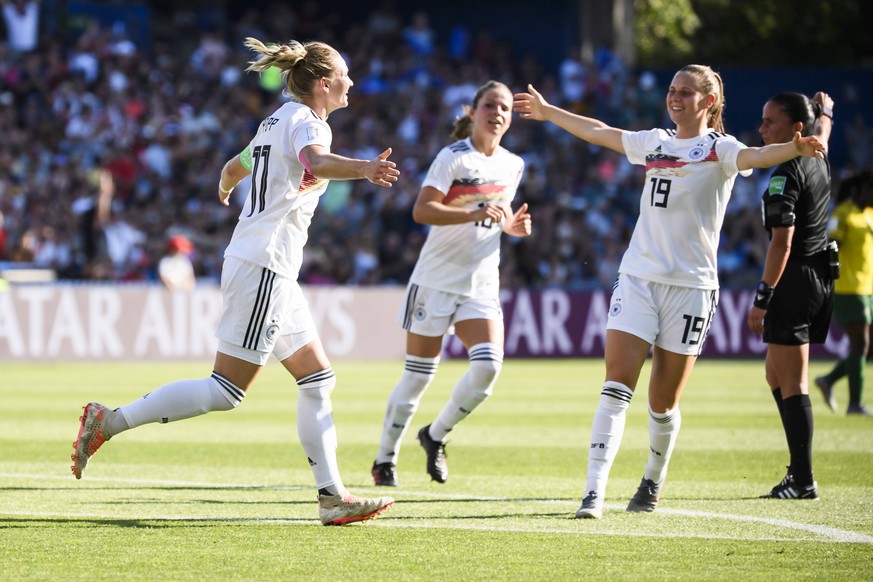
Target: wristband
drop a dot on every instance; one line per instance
(763, 295)
(827, 112)
(222, 190)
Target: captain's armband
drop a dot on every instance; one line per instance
(245, 158)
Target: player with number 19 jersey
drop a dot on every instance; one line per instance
(682, 206)
(465, 258)
(274, 221)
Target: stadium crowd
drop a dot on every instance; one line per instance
(111, 148)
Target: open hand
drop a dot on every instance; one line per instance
(530, 105)
(381, 171)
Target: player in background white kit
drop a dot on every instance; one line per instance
(667, 289)
(466, 197)
(264, 311)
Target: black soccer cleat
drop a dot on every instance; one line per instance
(645, 500)
(385, 474)
(789, 489)
(436, 456)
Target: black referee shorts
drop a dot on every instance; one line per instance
(800, 311)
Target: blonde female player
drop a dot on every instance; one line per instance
(264, 311)
(667, 289)
(466, 198)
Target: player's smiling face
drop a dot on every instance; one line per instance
(493, 113)
(685, 102)
(339, 83)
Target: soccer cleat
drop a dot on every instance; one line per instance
(385, 474)
(436, 456)
(339, 510)
(827, 390)
(592, 507)
(92, 435)
(858, 410)
(789, 489)
(645, 500)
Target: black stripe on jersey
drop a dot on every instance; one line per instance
(716, 134)
(410, 305)
(235, 393)
(260, 310)
(670, 132)
(426, 368)
(460, 146)
(621, 395)
(486, 353)
(316, 378)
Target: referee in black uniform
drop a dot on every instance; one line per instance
(794, 300)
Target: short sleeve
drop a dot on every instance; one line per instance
(441, 172)
(313, 132)
(634, 143)
(780, 199)
(727, 149)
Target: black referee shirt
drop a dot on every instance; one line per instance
(799, 194)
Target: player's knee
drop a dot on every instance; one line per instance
(318, 386)
(486, 362)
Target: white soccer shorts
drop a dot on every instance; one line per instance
(262, 313)
(433, 313)
(673, 318)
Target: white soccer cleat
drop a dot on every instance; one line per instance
(339, 510)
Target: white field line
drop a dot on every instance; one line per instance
(831, 534)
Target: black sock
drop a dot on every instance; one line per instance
(797, 420)
(777, 396)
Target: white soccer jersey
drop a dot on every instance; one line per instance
(274, 221)
(688, 185)
(464, 258)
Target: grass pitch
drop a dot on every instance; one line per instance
(229, 496)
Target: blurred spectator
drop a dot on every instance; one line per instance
(22, 24)
(108, 146)
(175, 269)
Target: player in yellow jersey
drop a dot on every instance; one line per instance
(852, 226)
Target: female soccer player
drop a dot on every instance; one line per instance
(264, 310)
(667, 288)
(466, 198)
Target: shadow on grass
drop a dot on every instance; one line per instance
(142, 523)
(166, 488)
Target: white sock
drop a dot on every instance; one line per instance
(403, 403)
(663, 432)
(316, 429)
(474, 387)
(606, 432)
(180, 400)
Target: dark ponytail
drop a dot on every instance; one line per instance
(799, 107)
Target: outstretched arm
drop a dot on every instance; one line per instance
(775, 154)
(323, 164)
(532, 105)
